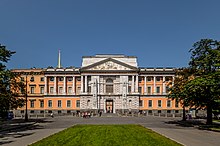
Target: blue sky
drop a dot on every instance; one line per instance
(158, 32)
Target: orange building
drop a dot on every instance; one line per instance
(107, 83)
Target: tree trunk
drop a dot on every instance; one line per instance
(209, 114)
(184, 114)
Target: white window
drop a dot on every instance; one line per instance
(32, 103)
(159, 103)
(78, 103)
(68, 103)
(149, 90)
(109, 86)
(50, 103)
(41, 103)
(158, 90)
(42, 90)
(61, 90)
(59, 103)
(150, 103)
(168, 103)
(51, 90)
(32, 90)
(69, 90)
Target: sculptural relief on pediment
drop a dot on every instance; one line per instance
(110, 66)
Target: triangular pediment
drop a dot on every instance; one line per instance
(109, 64)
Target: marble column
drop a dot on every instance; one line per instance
(82, 90)
(64, 85)
(45, 85)
(73, 85)
(55, 85)
(136, 84)
(132, 85)
(154, 85)
(86, 84)
(164, 85)
(145, 84)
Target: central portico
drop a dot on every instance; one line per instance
(109, 84)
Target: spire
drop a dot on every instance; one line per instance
(59, 61)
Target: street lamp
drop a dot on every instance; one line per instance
(26, 114)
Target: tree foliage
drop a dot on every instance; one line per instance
(10, 86)
(198, 85)
(177, 91)
(205, 62)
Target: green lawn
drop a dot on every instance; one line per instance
(106, 135)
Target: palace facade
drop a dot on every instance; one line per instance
(107, 83)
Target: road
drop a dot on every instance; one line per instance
(185, 135)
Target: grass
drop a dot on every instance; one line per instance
(106, 135)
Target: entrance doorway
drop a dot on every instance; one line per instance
(109, 106)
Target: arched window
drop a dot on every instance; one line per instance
(109, 85)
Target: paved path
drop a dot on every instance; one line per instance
(186, 135)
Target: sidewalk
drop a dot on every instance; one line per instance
(14, 124)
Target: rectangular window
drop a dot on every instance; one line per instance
(176, 103)
(69, 90)
(89, 89)
(140, 79)
(139, 89)
(129, 78)
(129, 89)
(32, 111)
(168, 103)
(59, 103)
(50, 103)
(32, 90)
(42, 90)
(42, 79)
(109, 88)
(149, 90)
(149, 103)
(32, 103)
(159, 103)
(41, 112)
(22, 79)
(68, 103)
(51, 89)
(78, 103)
(41, 103)
(158, 89)
(61, 90)
(140, 103)
(78, 90)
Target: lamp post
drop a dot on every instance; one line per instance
(26, 114)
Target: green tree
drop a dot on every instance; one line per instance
(203, 90)
(10, 86)
(177, 91)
